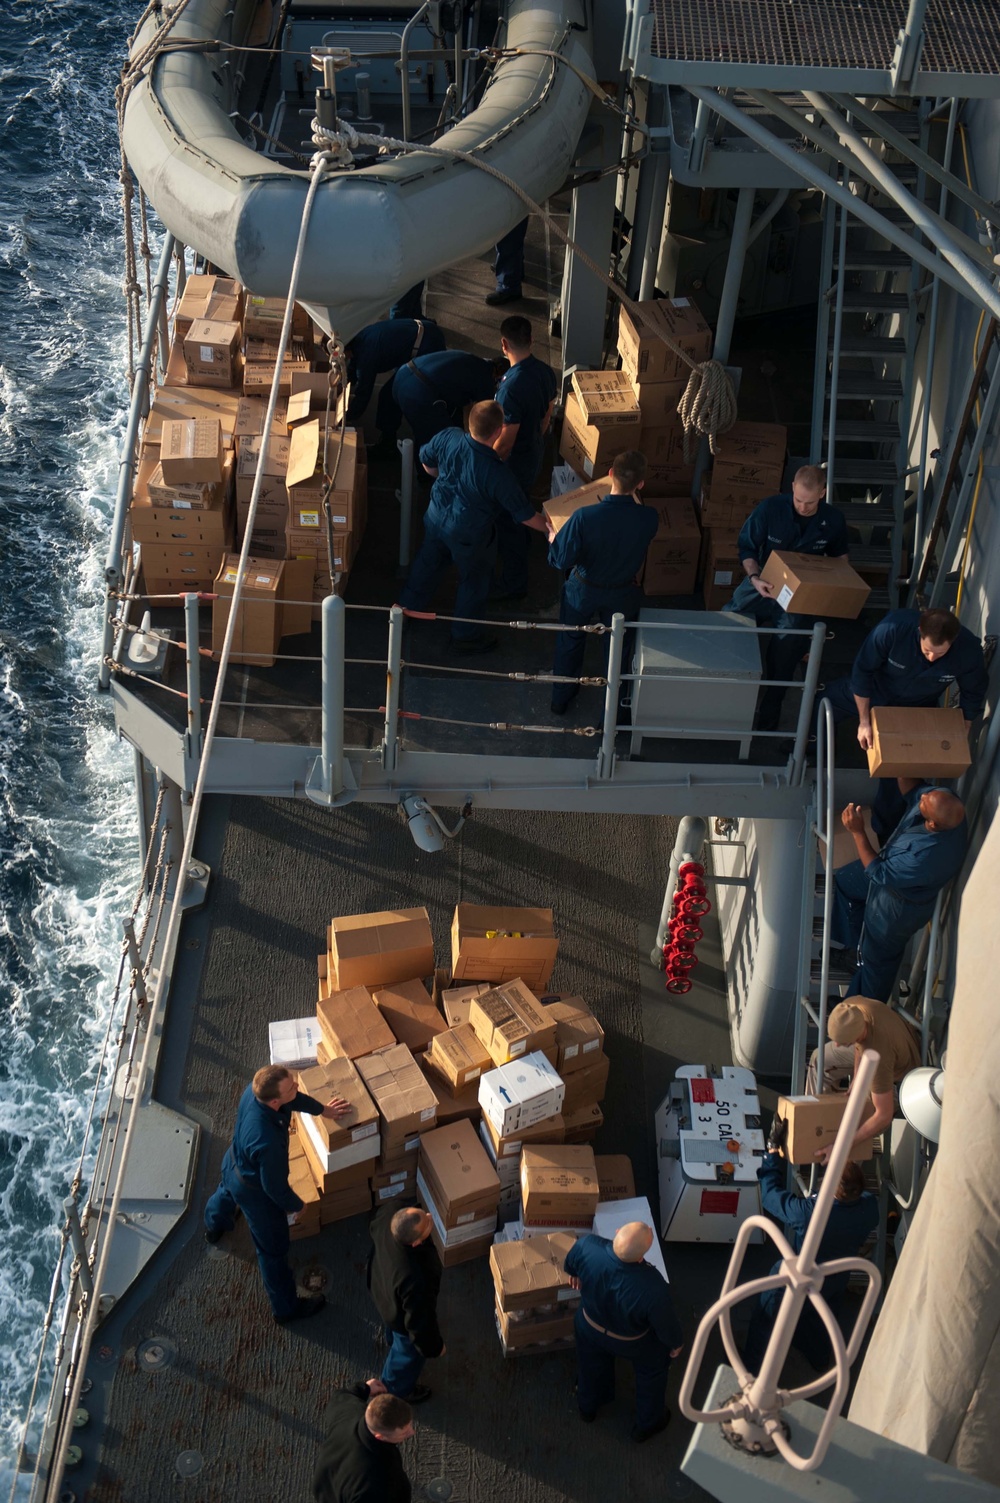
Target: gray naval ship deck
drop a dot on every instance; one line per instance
(201, 1395)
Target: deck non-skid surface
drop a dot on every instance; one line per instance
(247, 1394)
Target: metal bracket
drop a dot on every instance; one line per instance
(314, 787)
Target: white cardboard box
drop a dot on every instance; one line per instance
(612, 1215)
(293, 1043)
(521, 1093)
(368, 1145)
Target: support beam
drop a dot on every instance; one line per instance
(729, 301)
(909, 46)
(811, 173)
(584, 297)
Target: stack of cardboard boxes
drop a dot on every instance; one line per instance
(535, 1300)
(459, 1187)
(748, 467)
(341, 1152)
(203, 444)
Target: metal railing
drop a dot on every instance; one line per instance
(820, 830)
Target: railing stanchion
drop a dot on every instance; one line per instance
(797, 769)
(606, 757)
(394, 668)
(334, 639)
(405, 498)
(193, 673)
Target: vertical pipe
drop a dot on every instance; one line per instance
(824, 819)
(734, 275)
(405, 495)
(334, 634)
(822, 331)
(404, 64)
(932, 324)
(696, 150)
(163, 349)
(191, 643)
(797, 770)
(645, 224)
(657, 219)
(606, 758)
(394, 668)
(838, 329)
(692, 832)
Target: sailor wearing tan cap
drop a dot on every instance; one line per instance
(862, 1023)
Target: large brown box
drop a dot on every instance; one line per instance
(672, 557)
(510, 1021)
(352, 1025)
(586, 1086)
(212, 353)
(376, 949)
(406, 1104)
(723, 570)
(264, 316)
(306, 480)
(156, 520)
(645, 357)
(606, 399)
(338, 1205)
(207, 295)
(340, 1179)
(340, 1077)
(541, 1332)
(615, 1177)
(459, 1055)
(749, 454)
(183, 559)
(457, 1169)
(549, 1130)
(251, 413)
(464, 1252)
(410, 1013)
(457, 1000)
(583, 1125)
(258, 622)
(728, 507)
(191, 451)
(197, 497)
(813, 1122)
(599, 446)
(530, 1273)
(273, 497)
(498, 944)
(666, 463)
(579, 1036)
(559, 1185)
(812, 585)
(191, 401)
(559, 509)
(658, 400)
(452, 1106)
(913, 742)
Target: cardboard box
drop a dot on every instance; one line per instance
(293, 1043)
(530, 1273)
(394, 1171)
(339, 1077)
(729, 507)
(459, 1056)
(583, 1125)
(406, 1104)
(723, 570)
(306, 480)
(197, 497)
(813, 1122)
(559, 509)
(614, 1176)
(457, 1001)
(376, 949)
(457, 1170)
(212, 353)
(666, 462)
(586, 1086)
(498, 944)
(750, 454)
(347, 1175)
(464, 1252)
(258, 621)
(559, 1184)
(195, 563)
(809, 584)
(452, 1106)
(410, 1013)
(645, 357)
(912, 742)
(520, 1094)
(541, 1333)
(672, 557)
(205, 295)
(195, 402)
(352, 1025)
(658, 400)
(250, 415)
(600, 445)
(579, 1036)
(191, 451)
(264, 316)
(510, 1021)
(339, 1205)
(500, 1147)
(269, 454)
(606, 399)
(382, 1193)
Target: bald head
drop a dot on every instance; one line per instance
(941, 809)
(411, 1226)
(633, 1241)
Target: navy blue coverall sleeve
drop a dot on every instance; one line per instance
(874, 650)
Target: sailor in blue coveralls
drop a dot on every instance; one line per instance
(472, 489)
(526, 394)
(603, 547)
(508, 268)
(853, 1217)
(380, 347)
(431, 391)
(909, 658)
(800, 523)
(255, 1181)
(885, 896)
(625, 1311)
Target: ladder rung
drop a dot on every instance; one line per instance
(860, 301)
(881, 471)
(870, 344)
(865, 514)
(861, 259)
(865, 386)
(854, 430)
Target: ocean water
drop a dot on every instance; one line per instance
(68, 862)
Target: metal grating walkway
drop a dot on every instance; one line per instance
(711, 41)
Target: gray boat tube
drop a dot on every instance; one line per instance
(373, 233)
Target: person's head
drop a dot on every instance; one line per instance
(411, 1226)
(275, 1086)
(848, 1023)
(808, 489)
(485, 421)
(852, 1183)
(941, 810)
(515, 336)
(938, 629)
(389, 1418)
(633, 1241)
(628, 472)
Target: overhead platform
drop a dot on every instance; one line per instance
(949, 47)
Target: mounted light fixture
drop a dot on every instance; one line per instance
(428, 829)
